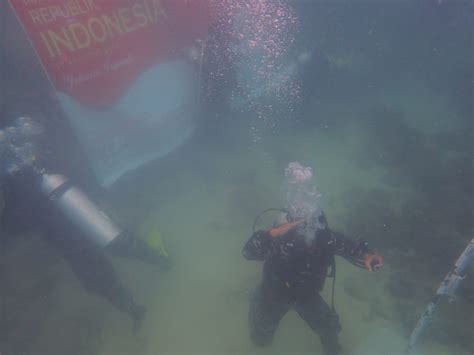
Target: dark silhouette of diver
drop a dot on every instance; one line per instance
(298, 254)
(28, 208)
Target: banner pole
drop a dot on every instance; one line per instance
(3, 61)
(448, 287)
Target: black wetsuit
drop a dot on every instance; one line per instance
(27, 209)
(294, 274)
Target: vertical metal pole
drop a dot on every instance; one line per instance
(3, 50)
(448, 287)
(3, 44)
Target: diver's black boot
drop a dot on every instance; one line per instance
(138, 315)
(330, 344)
(125, 303)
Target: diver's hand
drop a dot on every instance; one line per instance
(284, 228)
(373, 262)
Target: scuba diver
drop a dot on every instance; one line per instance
(298, 253)
(49, 204)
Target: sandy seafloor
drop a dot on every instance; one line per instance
(204, 201)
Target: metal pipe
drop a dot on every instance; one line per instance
(448, 287)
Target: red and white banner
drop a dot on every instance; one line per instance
(121, 72)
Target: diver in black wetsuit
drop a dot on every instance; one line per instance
(297, 256)
(28, 207)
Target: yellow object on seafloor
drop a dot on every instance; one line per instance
(155, 241)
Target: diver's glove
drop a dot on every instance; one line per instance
(365, 258)
(372, 262)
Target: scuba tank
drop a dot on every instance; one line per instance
(18, 153)
(79, 209)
